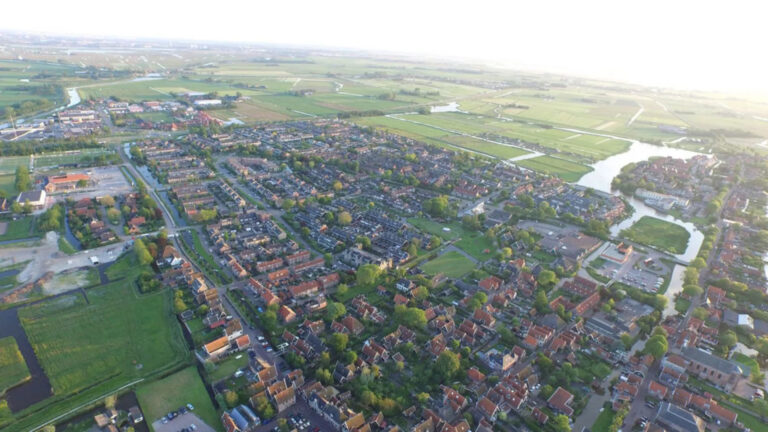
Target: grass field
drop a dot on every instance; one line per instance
(476, 244)
(55, 159)
(567, 170)
(19, 229)
(158, 398)
(119, 336)
(452, 264)
(436, 228)
(659, 234)
(8, 164)
(13, 368)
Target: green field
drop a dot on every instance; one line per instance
(73, 157)
(567, 170)
(441, 138)
(117, 338)
(657, 233)
(158, 398)
(8, 164)
(604, 420)
(452, 264)
(19, 229)
(13, 368)
(476, 244)
(750, 362)
(436, 228)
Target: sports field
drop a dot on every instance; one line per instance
(120, 336)
(71, 157)
(158, 398)
(452, 264)
(659, 234)
(13, 368)
(567, 170)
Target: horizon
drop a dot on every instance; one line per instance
(599, 44)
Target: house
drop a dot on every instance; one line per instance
(354, 326)
(65, 182)
(171, 256)
(489, 409)
(234, 329)
(217, 347)
(286, 314)
(560, 401)
(677, 419)
(405, 285)
(491, 283)
(36, 198)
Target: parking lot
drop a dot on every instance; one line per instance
(640, 270)
(183, 421)
(301, 407)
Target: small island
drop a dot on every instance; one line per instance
(659, 234)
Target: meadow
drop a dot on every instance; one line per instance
(657, 233)
(452, 264)
(567, 170)
(160, 397)
(122, 337)
(12, 364)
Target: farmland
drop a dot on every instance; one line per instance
(659, 234)
(184, 387)
(451, 264)
(567, 170)
(12, 364)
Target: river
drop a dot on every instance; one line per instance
(604, 172)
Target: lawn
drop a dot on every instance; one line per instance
(226, 368)
(8, 164)
(120, 336)
(122, 267)
(749, 362)
(452, 264)
(19, 229)
(66, 158)
(565, 169)
(8, 185)
(65, 246)
(476, 244)
(657, 233)
(158, 398)
(604, 420)
(436, 228)
(13, 368)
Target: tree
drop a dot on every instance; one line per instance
(231, 398)
(324, 376)
(363, 241)
(107, 201)
(447, 364)
(368, 398)
(113, 215)
(692, 290)
(438, 206)
(541, 303)
(561, 423)
(656, 346)
(338, 342)
(547, 278)
(328, 258)
(626, 339)
(288, 204)
(334, 310)
(16, 207)
(350, 357)
(420, 293)
(337, 186)
(728, 339)
(699, 263)
(410, 317)
(701, 313)
(142, 253)
(422, 397)
(344, 218)
(342, 289)
(435, 242)
(367, 274)
(23, 181)
(263, 408)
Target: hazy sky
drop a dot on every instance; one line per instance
(693, 44)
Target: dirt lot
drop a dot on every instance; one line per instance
(107, 181)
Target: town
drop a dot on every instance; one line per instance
(165, 268)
